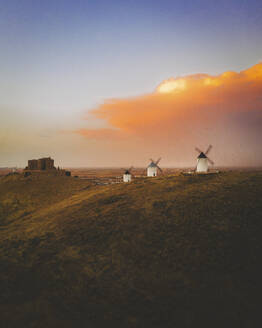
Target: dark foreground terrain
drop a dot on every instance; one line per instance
(174, 251)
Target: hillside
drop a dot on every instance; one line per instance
(173, 251)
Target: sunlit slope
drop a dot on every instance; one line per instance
(20, 197)
(180, 250)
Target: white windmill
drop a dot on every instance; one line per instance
(127, 176)
(202, 160)
(152, 168)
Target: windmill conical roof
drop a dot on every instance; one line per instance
(202, 155)
(152, 164)
(127, 172)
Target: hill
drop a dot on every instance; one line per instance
(173, 251)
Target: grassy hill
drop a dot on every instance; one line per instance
(174, 251)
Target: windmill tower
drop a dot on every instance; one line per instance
(127, 176)
(152, 168)
(203, 160)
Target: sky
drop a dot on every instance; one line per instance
(114, 83)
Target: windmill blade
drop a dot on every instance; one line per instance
(211, 162)
(152, 160)
(197, 149)
(160, 169)
(208, 149)
(158, 161)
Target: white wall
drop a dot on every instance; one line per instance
(152, 171)
(127, 177)
(202, 165)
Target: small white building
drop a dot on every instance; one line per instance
(202, 163)
(127, 176)
(152, 170)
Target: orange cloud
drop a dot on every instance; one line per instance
(185, 110)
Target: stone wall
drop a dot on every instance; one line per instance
(44, 166)
(46, 163)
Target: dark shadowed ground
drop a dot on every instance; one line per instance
(174, 251)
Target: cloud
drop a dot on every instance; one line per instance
(187, 111)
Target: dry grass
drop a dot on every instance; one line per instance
(173, 251)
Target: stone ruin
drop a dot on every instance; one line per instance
(46, 163)
(43, 165)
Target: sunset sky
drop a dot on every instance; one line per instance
(114, 83)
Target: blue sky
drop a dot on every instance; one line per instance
(61, 58)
